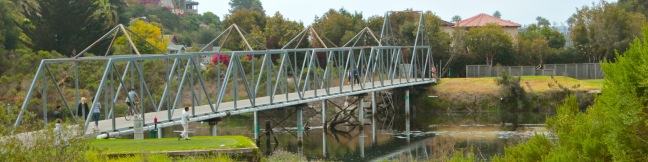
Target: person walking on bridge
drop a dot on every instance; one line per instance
(185, 124)
(96, 112)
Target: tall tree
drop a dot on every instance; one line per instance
(248, 20)
(278, 31)
(497, 14)
(246, 4)
(488, 42)
(640, 6)
(542, 21)
(64, 26)
(456, 18)
(339, 26)
(603, 29)
(147, 37)
(9, 31)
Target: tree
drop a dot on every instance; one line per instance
(640, 6)
(248, 20)
(339, 26)
(603, 29)
(612, 129)
(146, 36)
(542, 21)
(246, 4)
(64, 26)
(278, 31)
(538, 41)
(456, 18)
(497, 14)
(488, 42)
(534, 47)
(9, 29)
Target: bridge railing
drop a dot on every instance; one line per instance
(226, 82)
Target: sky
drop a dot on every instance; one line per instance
(520, 11)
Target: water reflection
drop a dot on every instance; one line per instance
(433, 136)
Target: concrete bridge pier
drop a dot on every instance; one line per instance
(255, 127)
(361, 112)
(324, 105)
(213, 128)
(407, 114)
(300, 124)
(373, 117)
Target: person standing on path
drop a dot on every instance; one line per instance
(82, 108)
(185, 124)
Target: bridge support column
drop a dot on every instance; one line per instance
(361, 112)
(407, 114)
(255, 127)
(300, 125)
(213, 129)
(324, 104)
(373, 117)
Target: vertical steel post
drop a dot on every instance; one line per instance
(236, 79)
(269, 66)
(77, 96)
(112, 103)
(44, 98)
(142, 104)
(191, 86)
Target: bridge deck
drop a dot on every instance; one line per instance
(204, 112)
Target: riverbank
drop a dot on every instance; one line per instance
(468, 88)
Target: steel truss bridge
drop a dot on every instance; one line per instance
(221, 83)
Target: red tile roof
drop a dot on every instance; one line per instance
(484, 19)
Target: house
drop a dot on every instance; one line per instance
(178, 7)
(484, 19)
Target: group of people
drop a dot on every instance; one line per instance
(131, 100)
(83, 108)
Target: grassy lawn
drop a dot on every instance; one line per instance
(533, 84)
(112, 146)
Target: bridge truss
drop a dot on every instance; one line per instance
(222, 83)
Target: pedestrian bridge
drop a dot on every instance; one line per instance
(217, 84)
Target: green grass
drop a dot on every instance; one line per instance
(117, 146)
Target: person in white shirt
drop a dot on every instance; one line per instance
(131, 99)
(58, 135)
(185, 123)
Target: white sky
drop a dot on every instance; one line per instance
(520, 11)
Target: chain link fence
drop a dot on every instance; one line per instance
(579, 71)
